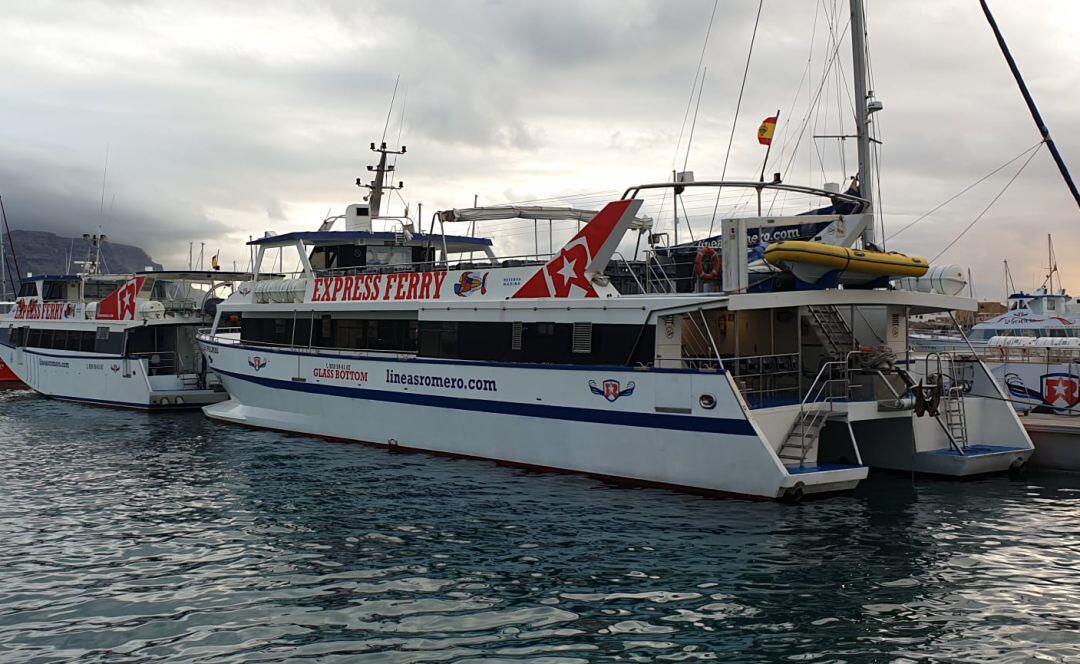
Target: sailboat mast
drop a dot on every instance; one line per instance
(1035, 115)
(862, 117)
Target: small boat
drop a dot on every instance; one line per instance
(123, 340)
(814, 262)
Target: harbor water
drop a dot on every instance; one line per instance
(131, 537)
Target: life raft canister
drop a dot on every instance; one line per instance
(703, 254)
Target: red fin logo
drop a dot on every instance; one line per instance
(120, 304)
(569, 274)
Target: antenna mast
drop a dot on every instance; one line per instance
(377, 186)
(862, 115)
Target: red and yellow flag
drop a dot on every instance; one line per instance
(765, 131)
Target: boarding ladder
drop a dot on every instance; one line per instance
(832, 383)
(832, 329)
(952, 415)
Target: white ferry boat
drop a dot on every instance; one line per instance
(774, 372)
(396, 338)
(1033, 350)
(115, 340)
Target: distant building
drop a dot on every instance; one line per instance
(987, 309)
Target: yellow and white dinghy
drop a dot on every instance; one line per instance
(811, 261)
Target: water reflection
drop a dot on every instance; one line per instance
(138, 537)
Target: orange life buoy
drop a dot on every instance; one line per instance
(699, 264)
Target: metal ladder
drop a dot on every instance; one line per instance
(952, 415)
(803, 436)
(832, 383)
(955, 415)
(833, 330)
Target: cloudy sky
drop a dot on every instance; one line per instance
(226, 119)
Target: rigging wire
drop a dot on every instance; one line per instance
(693, 124)
(738, 105)
(966, 189)
(390, 110)
(813, 105)
(987, 208)
(689, 102)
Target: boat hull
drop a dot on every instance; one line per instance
(103, 380)
(641, 426)
(1057, 442)
(7, 376)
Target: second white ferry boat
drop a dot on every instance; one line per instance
(115, 340)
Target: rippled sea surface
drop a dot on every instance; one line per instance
(129, 537)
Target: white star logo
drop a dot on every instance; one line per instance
(569, 270)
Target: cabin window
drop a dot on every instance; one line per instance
(302, 330)
(28, 290)
(99, 290)
(541, 343)
(439, 339)
(55, 291)
(54, 339)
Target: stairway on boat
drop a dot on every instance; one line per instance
(831, 328)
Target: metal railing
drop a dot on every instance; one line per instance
(158, 363)
(832, 384)
(207, 334)
(765, 380)
(435, 266)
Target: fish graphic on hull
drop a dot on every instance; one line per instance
(471, 283)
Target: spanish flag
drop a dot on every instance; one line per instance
(765, 131)
(214, 261)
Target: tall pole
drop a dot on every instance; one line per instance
(862, 118)
(1031, 104)
(675, 211)
(3, 269)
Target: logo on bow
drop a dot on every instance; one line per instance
(611, 389)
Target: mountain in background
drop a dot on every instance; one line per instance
(40, 252)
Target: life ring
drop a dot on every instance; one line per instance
(699, 264)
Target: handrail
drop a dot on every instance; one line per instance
(632, 192)
(217, 337)
(628, 269)
(822, 383)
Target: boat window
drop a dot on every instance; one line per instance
(54, 291)
(28, 289)
(56, 339)
(99, 290)
(541, 343)
(329, 332)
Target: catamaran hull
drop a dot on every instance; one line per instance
(641, 426)
(7, 376)
(104, 380)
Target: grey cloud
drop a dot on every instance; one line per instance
(226, 117)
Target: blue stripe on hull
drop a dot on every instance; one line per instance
(647, 420)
